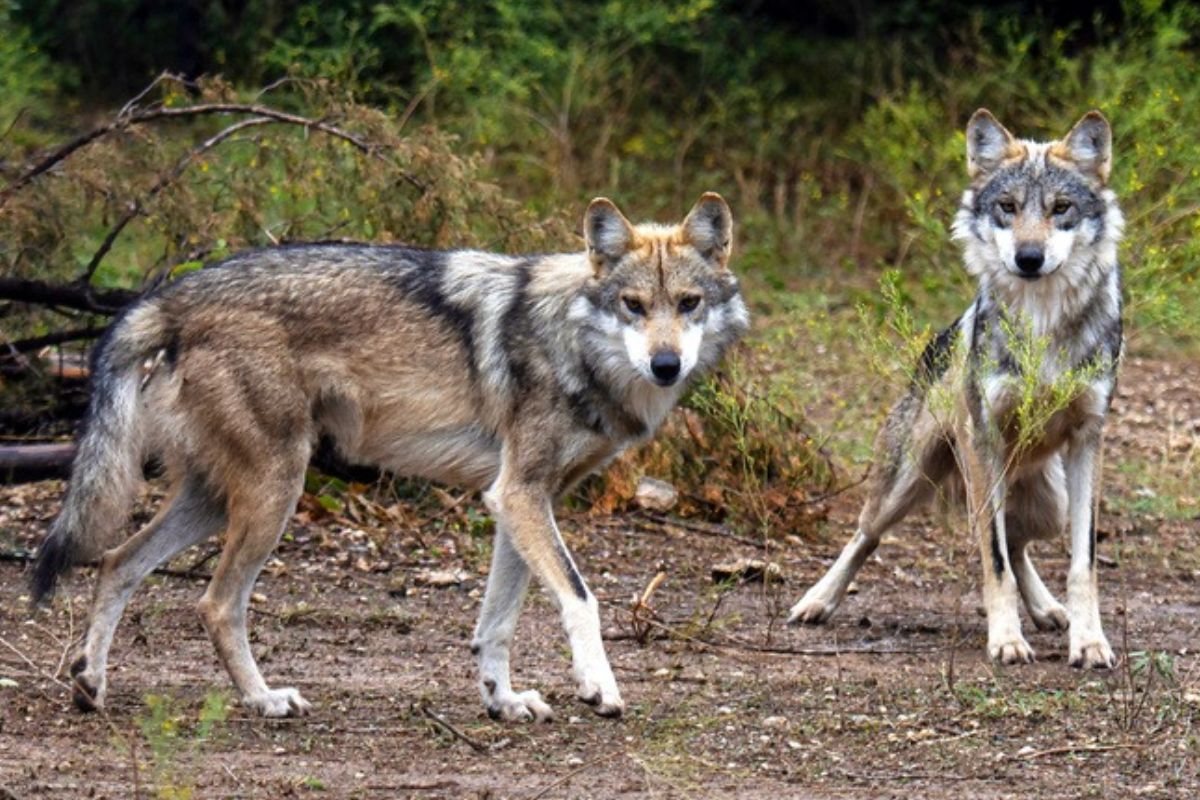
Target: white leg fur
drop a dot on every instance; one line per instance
(502, 600)
(527, 517)
(818, 603)
(1089, 648)
(1006, 644)
(909, 488)
(597, 684)
(1047, 613)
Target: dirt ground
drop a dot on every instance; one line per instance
(894, 698)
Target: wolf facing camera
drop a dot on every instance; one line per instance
(1039, 228)
(518, 375)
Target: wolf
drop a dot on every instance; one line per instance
(514, 375)
(1039, 228)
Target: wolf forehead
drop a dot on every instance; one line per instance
(660, 259)
(1037, 177)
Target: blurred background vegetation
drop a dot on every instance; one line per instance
(833, 128)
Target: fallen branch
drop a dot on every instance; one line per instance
(437, 719)
(707, 529)
(642, 611)
(560, 781)
(673, 632)
(74, 296)
(61, 337)
(22, 463)
(191, 573)
(1083, 748)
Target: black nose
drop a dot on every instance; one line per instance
(665, 366)
(1030, 258)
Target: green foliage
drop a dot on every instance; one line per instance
(171, 737)
(741, 450)
(29, 82)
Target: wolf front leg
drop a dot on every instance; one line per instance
(506, 585)
(522, 508)
(986, 489)
(1089, 648)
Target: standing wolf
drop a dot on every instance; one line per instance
(520, 375)
(1040, 232)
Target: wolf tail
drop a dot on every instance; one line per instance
(108, 462)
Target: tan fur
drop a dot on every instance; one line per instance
(510, 374)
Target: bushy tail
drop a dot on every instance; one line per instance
(108, 462)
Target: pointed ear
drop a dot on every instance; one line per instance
(608, 234)
(708, 227)
(1089, 146)
(989, 144)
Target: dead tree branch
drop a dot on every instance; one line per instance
(129, 116)
(164, 181)
(61, 337)
(79, 298)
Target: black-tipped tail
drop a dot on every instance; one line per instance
(54, 558)
(108, 460)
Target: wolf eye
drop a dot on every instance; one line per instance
(635, 306)
(689, 304)
(1062, 206)
(1007, 206)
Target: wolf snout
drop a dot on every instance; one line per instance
(1030, 258)
(665, 365)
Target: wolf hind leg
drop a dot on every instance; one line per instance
(1037, 509)
(892, 496)
(256, 521)
(507, 583)
(191, 515)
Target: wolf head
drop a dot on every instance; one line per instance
(662, 303)
(1036, 210)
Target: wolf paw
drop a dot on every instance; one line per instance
(1051, 618)
(811, 611)
(285, 702)
(87, 691)
(526, 706)
(606, 703)
(1013, 650)
(1096, 654)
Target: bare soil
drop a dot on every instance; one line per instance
(894, 698)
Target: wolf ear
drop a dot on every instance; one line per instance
(708, 227)
(608, 234)
(1089, 146)
(989, 144)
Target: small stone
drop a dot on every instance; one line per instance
(655, 495)
(440, 579)
(774, 722)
